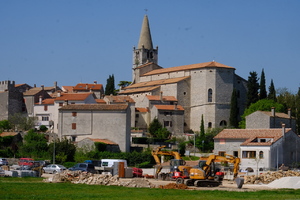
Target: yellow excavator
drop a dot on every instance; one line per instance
(206, 174)
(178, 169)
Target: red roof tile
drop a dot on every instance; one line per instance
(141, 109)
(139, 90)
(120, 99)
(168, 107)
(87, 87)
(100, 107)
(164, 98)
(73, 96)
(100, 101)
(157, 82)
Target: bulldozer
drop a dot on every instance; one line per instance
(178, 169)
(207, 175)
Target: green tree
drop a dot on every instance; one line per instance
(233, 120)
(21, 122)
(123, 84)
(163, 133)
(262, 105)
(272, 92)
(43, 128)
(4, 125)
(34, 145)
(202, 131)
(64, 150)
(253, 86)
(110, 85)
(262, 86)
(154, 126)
(286, 98)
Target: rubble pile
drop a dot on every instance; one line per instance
(268, 177)
(174, 186)
(79, 177)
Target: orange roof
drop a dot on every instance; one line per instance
(141, 109)
(67, 88)
(251, 134)
(188, 67)
(86, 86)
(168, 107)
(103, 141)
(139, 90)
(3, 134)
(157, 82)
(164, 98)
(47, 102)
(120, 98)
(73, 96)
(100, 107)
(100, 101)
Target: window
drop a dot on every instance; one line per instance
(209, 125)
(167, 123)
(73, 138)
(45, 107)
(45, 118)
(249, 154)
(261, 154)
(236, 154)
(168, 113)
(74, 114)
(222, 153)
(73, 126)
(60, 104)
(223, 123)
(209, 95)
(137, 115)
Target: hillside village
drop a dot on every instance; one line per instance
(177, 96)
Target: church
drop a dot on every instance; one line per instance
(180, 96)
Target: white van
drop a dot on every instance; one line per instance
(110, 162)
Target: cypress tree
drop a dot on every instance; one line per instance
(110, 85)
(262, 86)
(272, 92)
(233, 120)
(202, 132)
(253, 86)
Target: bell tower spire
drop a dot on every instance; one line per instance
(144, 53)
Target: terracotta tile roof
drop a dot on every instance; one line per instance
(47, 102)
(87, 87)
(157, 82)
(141, 109)
(119, 99)
(3, 134)
(139, 90)
(280, 115)
(99, 107)
(164, 98)
(188, 67)
(168, 107)
(136, 131)
(67, 88)
(32, 92)
(250, 134)
(103, 141)
(73, 96)
(100, 101)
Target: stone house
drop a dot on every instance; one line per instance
(97, 89)
(265, 119)
(88, 144)
(259, 149)
(11, 100)
(96, 121)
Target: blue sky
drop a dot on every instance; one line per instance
(73, 41)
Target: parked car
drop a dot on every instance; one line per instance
(54, 168)
(84, 167)
(3, 161)
(25, 161)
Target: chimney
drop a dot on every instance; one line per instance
(289, 113)
(95, 82)
(86, 86)
(161, 96)
(40, 99)
(283, 129)
(66, 102)
(55, 85)
(58, 93)
(273, 111)
(42, 86)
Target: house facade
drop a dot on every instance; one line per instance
(96, 121)
(259, 149)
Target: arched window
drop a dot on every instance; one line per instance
(209, 124)
(209, 95)
(223, 123)
(261, 154)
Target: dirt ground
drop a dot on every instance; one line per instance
(226, 185)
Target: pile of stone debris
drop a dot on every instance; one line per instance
(269, 177)
(78, 177)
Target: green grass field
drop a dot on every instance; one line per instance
(35, 188)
